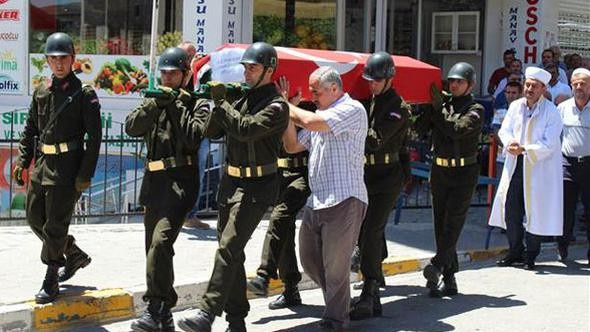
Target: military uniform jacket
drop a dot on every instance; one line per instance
(456, 127)
(80, 117)
(388, 118)
(174, 131)
(254, 127)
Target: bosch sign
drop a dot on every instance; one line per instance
(530, 49)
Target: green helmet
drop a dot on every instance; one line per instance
(462, 71)
(261, 53)
(379, 66)
(174, 58)
(59, 43)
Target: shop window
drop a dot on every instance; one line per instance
(102, 26)
(455, 32)
(303, 24)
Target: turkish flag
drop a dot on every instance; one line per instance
(412, 79)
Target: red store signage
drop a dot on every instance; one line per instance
(9, 15)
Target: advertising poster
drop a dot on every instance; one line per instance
(12, 52)
(120, 76)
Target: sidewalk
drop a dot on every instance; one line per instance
(110, 288)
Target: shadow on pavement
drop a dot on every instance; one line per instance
(200, 234)
(415, 311)
(305, 310)
(569, 268)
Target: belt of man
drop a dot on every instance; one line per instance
(292, 162)
(455, 162)
(579, 159)
(59, 148)
(382, 158)
(168, 163)
(251, 172)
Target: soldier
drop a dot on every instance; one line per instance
(456, 123)
(386, 169)
(253, 127)
(61, 114)
(172, 128)
(278, 250)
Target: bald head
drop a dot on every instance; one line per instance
(189, 47)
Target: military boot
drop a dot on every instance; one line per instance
(200, 321)
(432, 275)
(258, 286)
(236, 326)
(50, 288)
(449, 287)
(150, 320)
(289, 298)
(166, 319)
(75, 259)
(368, 304)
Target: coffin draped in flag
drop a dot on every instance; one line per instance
(412, 80)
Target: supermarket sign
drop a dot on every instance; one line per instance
(12, 53)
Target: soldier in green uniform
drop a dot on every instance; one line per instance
(278, 250)
(386, 165)
(253, 127)
(61, 114)
(456, 122)
(172, 127)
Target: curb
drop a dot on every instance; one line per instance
(108, 305)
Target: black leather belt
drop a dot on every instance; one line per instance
(455, 162)
(382, 158)
(251, 172)
(59, 147)
(292, 162)
(578, 159)
(168, 163)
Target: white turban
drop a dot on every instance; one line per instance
(581, 71)
(538, 74)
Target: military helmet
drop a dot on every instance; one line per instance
(379, 66)
(462, 71)
(261, 53)
(59, 43)
(174, 58)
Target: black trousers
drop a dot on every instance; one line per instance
(49, 212)
(576, 183)
(452, 189)
(278, 251)
(515, 213)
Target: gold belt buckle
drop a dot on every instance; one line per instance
(49, 149)
(283, 163)
(248, 172)
(453, 162)
(258, 171)
(233, 171)
(63, 147)
(442, 162)
(157, 165)
(387, 158)
(462, 162)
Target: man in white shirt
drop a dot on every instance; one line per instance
(556, 90)
(335, 138)
(530, 193)
(575, 147)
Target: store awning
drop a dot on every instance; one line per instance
(412, 80)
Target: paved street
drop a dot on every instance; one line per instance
(553, 298)
(118, 256)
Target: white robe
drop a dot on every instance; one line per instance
(542, 167)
